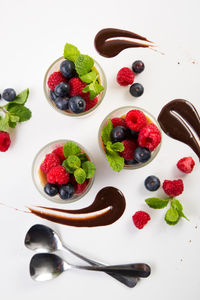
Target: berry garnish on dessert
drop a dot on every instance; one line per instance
(135, 119)
(186, 164)
(125, 76)
(136, 90)
(138, 66)
(152, 183)
(149, 137)
(140, 219)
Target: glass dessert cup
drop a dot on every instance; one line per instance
(39, 177)
(121, 112)
(55, 67)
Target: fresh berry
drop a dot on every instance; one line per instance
(89, 104)
(51, 160)
(76, 86)
(4, 141)
(186, 164)
(9, 95)
(54, 79)
(51, 189)
(66, 191)
(80, 188)
(135, 119)
(118, 134)
(138, 66)
(62, 103)
(67, 68)
(59, 152)
(130, 162)
(118, 122)
(136, 90)
(58, 175)
(140, 219)
(142, 154)
(76, 104)
(152, 183)
(128, 152)
(125, 76)
(62, 89)
(149, 136)
(53, 96)
(173, 187)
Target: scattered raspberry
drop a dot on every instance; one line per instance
(125, 76)
(129, 148)
(135, 119)
(58, 175)
(54, 79)
(80, 188)
(118, 122)
(51, 160)
(140, 219)
(186, 164)
(91, 103)
(173, 187)
(4, 141)
(149, 137)
(59, 152)
(76, 86)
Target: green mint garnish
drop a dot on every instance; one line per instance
(89, 169)
(178, 206)
(73, 162)
(172, 216)
(83, 64)
(106, 132)
(82, 156)
(4, 122)
(80, 175)
(89, 77)
(115, 160)
(94, 88)
(115, 147)
(71, 52)
(22, 97)
(67, 168)
(71, 148)
(157, 202)
(20, 111)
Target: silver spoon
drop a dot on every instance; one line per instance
(45, 266)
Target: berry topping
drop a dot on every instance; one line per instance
(9, 95)
(125, 76)
(80, 188)
(66, 191)
(76, 86)
(128, 152)
(51, 189)
(136, 90)
(186, 164)
(90, 103)
(59, 152)
(67, 68)
(51, 160)
(142, 154)
(173, 187)
(152, 183)
(76, 104)
(138, 66)
(53, 96)
(134, 134)
(140, 219)
(62, 89)
(135, 119)
(4, 141)
(118, 134)
(62, 103)
(54, 79)
(118, 122)
(58, 175)
(149, 137)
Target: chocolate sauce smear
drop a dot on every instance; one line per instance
(110, 48)
(109, 205)
(176, 120)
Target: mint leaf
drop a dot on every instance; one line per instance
(67, 168)
(71, 148)
(109, 146)
(80, 175)
(12, 124)
(94, 89)
(89, 169)
(178, 206)
(73, 162)
(172, 216)
(157, 202)
(14, 118)
(82, 156)
(22, 97)
(71, 52)
(83, 64)
(115, 160)
(4, 123)
(20, 111)
(106, 131)
(119, 147)
(89, 77)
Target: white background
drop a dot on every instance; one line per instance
(33, 34)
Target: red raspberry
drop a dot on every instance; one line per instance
(129, 148)
(51, 160)
(59, 152)
(186, 164)
(173, 187)
(125, 76)
(58, 175)
(90, 103)
(149, 137)
(118, 122)
(135, 119)
(54, 79)
(140, 218)
(76, 86)
(80, 188)
(4, 141)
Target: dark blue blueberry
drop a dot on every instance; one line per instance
(131, 162)
(62, 103)
(138, 66)
(51, 189)
(62, 89)
(142, 154)
(118, 134)
(67, 68)
(9, 95)
(136, 90)
(152, 183)
(66, 191)
(53, 96)
(77, 104)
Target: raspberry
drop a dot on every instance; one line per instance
(80, 188)
(173, 187)
(90, 103)
(149, 137)
(140, 218)
(135, 119)
(54, 79)
(118, 122)
(59, 152)
(125, 76)
(58, 175)
(76, 86)
(129, 148)
(4, 141)
(186, 164)
(51, 160)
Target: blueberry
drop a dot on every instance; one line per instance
(51, 189)
(131, 162)
(142, 154)
(9, 95)
(66, 191)
(67, 68)
(53, 96)
(76, 104)
(138, 66)
(62, 89)
(62, 103)
(118, 134)
(152, 183)
(136, 90)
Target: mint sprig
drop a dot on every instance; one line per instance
(71, 52)
(157, 203)
(83, 64)
(106, 132)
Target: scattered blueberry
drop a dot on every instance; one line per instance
(136, 90)
(51, 189)
(9, 95)
(67, 68)
(131, 162)
(138, 66)
(152, 183)
(53, 96)
(142, 154)
(62, 89)
(77, 104)
(66, 191)
(118, 134)
(62, 103)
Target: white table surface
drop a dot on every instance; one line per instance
(33, 34)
